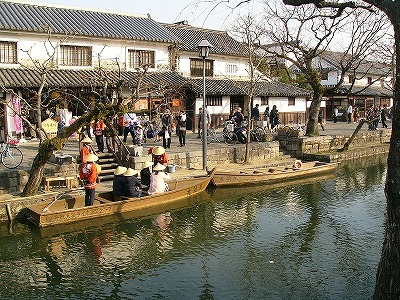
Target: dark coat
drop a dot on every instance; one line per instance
(132, 186)
(145, 176)
(118, 185)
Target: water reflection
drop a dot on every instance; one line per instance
(314, 239)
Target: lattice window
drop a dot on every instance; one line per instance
(8, 52)
(196, 67)
(76, 56)
(214, 100)
(141, 58)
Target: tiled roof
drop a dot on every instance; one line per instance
(368, 91)
(362, 66)
(25, 78)
(39, 18)
(263, 88)
(221, 42)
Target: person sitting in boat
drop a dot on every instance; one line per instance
(88, 174)
(145, 174)
(86, 149)
(132, 186)
(157, 180)
(119, 183)
(158, 155)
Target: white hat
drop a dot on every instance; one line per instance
(86, 140)
(158, 150)
(120, 170)
(147, 164)
(130, 172)
(159, 167)
(239, 108)
(90, 157)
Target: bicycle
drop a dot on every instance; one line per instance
(11, 156)
(211, 136)
(257, 134)
(228, 133)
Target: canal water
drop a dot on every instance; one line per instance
(316, 238)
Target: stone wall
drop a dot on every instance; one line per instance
(298, 146)
(13, 181)
(194, 159)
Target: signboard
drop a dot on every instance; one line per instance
(50, 126)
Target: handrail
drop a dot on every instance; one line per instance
(120, 151)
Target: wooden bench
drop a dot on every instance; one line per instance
(67, 181)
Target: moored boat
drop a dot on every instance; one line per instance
(72, 208)
(271, 174)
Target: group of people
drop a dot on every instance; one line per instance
(152, 177)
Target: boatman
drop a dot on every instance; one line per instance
(88, 174)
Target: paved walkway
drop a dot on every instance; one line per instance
(193, 143)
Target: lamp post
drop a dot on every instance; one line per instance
(204, 50)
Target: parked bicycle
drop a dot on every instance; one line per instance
(211, 136)
(228, 133)
(11, 155)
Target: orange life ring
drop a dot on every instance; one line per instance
(297, 164)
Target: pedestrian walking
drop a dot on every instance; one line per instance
(181, 129)
(349, 113)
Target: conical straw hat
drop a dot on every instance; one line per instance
(91, 157)
(158, 150)
(86, 140)
(159, 167)
(130, 172)
(147, 164)
(120, 170)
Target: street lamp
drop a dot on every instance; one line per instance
(204, 50)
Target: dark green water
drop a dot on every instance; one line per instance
(318, 239)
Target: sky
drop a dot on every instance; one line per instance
(197, 14)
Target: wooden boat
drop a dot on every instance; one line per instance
(72, 208)
(271, 174)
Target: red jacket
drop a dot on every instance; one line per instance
(88, 173)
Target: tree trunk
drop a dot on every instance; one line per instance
(312, 124)
(388, 274)
(358, 128)
(48, 146)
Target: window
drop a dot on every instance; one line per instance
(76, 55)
(214, 100)
(369, 80)
(8, 52)
(291, 101)
(351, 79)
(141, 58)
(231, 68)
(264, 100)
(196, 67)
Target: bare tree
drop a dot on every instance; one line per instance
(249, 32)
(301, 35)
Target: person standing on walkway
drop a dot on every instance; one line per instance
(203, 116)
(88, 174)
(274, 117)
(86, 148)
(321, 119)
(255, 113)
(98, 128)
(266, 116)
(130, 120)
(181, 128)
(335, 114)
(384, 114)
(166, 121)
(349, 113)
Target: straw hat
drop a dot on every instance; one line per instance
(158, 150)
(130, 172)
(147, 164)
(120, 170)
(87, 140)
(91, 157)
(239, 109)
(159, 167)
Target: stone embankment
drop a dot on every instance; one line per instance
(187, 161)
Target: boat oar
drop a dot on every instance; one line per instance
(46, 208)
